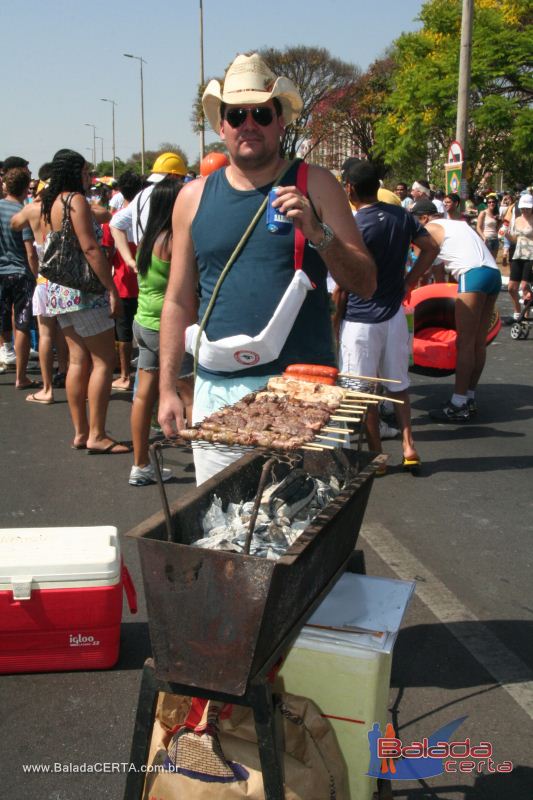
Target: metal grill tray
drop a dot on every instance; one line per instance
(215, 617)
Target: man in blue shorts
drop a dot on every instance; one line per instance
(467, 258)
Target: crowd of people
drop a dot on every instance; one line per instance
(186, 267)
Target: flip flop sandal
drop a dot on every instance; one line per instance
(381, 471)
(109, 450)
(412, 465)
(32, 399)
(74, 446)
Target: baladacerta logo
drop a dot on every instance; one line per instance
(398, 760)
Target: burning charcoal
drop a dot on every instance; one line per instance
(276, 533)
(335, 485)
(214, 516)
(293, 493)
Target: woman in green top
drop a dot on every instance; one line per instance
(153, 266)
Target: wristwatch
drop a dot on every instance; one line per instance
(326, 240)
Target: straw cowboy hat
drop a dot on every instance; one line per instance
(248, 81)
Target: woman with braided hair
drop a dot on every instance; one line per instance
(86, 319)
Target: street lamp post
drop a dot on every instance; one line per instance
(113, 104)
(141, 62)
(202, 117)
(90, 125)
(102, 147)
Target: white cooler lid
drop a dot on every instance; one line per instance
(360, 611)
(52, 555)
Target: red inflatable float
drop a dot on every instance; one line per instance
(434, 329)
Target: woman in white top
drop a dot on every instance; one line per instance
(469, 261)
(488, 223)
(521, 232)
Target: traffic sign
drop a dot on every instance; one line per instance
(455, 153)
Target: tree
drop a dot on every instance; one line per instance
(316, 74)
(134, 161)
(352, 112)
(106, 167)
(419, 113)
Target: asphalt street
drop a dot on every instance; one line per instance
(462, 530)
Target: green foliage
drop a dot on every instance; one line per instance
(419, 116)
(106, 168)
(134, 161)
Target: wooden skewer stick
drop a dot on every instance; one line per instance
(367, 378)
(329, 438)
(317, 446)
(361, 405)
(346, 419)
(351, 393)
(338, 430)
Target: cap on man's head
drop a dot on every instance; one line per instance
(249, 81)
(424, 206)
(526, 201)
(14, 161)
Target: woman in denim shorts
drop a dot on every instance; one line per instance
(87, 320)
(153, 266)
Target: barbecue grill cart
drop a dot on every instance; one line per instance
(219, 621)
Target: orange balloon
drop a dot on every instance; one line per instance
(211, 162)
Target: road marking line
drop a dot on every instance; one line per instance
(507, 669)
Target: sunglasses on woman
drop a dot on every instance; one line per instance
(236, 116)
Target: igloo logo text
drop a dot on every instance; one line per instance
(81, 640)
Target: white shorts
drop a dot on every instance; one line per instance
(210, 395)
(379, 349)
(40, 298)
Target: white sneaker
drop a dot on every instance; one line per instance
(7, 354)
(386, 431)
(34, 354)
(3, 368)
(142, 476)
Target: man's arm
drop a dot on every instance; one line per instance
(121, 244)
(120, 223)
(179, 308)
(429, 250)
(346, 257)
(25, 216)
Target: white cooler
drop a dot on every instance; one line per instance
(61, 598)
(342, 660)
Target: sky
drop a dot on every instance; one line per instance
(59, 57)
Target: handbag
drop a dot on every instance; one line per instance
(63, 261)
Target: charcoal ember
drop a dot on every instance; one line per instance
(214, 516)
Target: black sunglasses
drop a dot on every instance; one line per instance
(262, 115)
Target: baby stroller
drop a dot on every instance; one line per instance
(520, 327)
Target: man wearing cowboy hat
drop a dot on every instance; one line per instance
(210, 216)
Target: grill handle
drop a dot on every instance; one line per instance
(154, 461)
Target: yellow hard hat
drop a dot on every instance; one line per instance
(169, 164)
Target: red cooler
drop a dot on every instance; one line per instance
(61, 598)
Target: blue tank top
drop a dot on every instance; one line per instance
(259, 277)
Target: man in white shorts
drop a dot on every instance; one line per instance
(374, 339)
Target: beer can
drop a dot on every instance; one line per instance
(276, 222)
